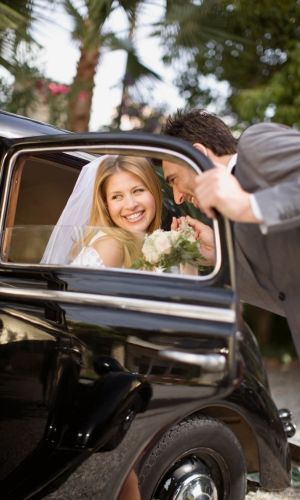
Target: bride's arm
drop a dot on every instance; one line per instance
(110, 251)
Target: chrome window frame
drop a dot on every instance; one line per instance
(107, 149)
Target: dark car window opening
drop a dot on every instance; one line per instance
(40, 187)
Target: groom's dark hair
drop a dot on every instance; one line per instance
(197, 125)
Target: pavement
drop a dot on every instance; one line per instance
(285, 385)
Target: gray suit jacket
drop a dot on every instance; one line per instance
(268, 165)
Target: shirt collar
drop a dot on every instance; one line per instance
(232, 162)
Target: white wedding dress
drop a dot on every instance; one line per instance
(88, 256)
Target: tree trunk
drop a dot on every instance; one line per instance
(127, 80)
(80, 100)
(122, 106)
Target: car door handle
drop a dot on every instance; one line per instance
(209, 362)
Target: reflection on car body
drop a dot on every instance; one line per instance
(156, 369)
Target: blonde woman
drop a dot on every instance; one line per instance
(118, 200)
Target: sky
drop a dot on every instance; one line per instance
(60, 54)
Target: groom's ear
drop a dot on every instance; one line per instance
(201, 148)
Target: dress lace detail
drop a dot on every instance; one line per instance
(88, 256)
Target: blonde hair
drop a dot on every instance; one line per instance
(142, 168)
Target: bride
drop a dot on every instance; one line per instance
(115, 202)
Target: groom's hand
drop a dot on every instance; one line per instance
(218, 189)
(203, 233)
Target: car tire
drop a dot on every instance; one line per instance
(198, 454)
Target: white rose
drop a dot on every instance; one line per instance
(163, 243)
(174, 236)
(149, 251)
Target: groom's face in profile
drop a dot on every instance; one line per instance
(181, 179)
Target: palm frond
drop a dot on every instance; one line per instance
(99, 11)
(135, 68)
(76, 16)
(188, 23)
(5, 63)
(130, 7)
(10, 18)
(89, 19)
(15, 22)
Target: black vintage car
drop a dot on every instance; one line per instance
(109, 374)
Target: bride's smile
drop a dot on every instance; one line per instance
(135, 217)
(130, 204)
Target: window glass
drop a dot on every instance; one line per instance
(40, 186)
(106, 211)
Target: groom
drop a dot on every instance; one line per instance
(262, 198)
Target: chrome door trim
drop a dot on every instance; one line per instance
(209, 362)
(206, 313)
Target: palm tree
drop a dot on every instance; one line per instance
(88, 31)
(135, 71)
(15, 20)
(16, 27)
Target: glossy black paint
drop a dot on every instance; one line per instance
(78, 378)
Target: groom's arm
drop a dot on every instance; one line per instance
(269, 166)
(266, 188)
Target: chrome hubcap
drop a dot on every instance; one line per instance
(196, 487)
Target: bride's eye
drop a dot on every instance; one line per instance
(139, 190)
(116, 197)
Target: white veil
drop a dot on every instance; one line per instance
(74, 217)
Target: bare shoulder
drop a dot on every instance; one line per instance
(110, 250)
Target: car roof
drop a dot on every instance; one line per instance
(15, 126)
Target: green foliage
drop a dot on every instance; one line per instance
(88, 18)
(16, 15)
(15, 20)
(20, 98)
(4, 92)
(18, 51)
(254, 46)
(185, 252)
(279, 97)
(139, 114)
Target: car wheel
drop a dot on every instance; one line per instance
(200, 458)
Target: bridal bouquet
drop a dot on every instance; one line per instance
(162, 250)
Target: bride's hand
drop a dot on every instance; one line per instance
(175, 225)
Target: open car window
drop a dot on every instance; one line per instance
(38, 189)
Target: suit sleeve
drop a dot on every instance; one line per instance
(269, 167)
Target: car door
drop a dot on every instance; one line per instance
(84, 349)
